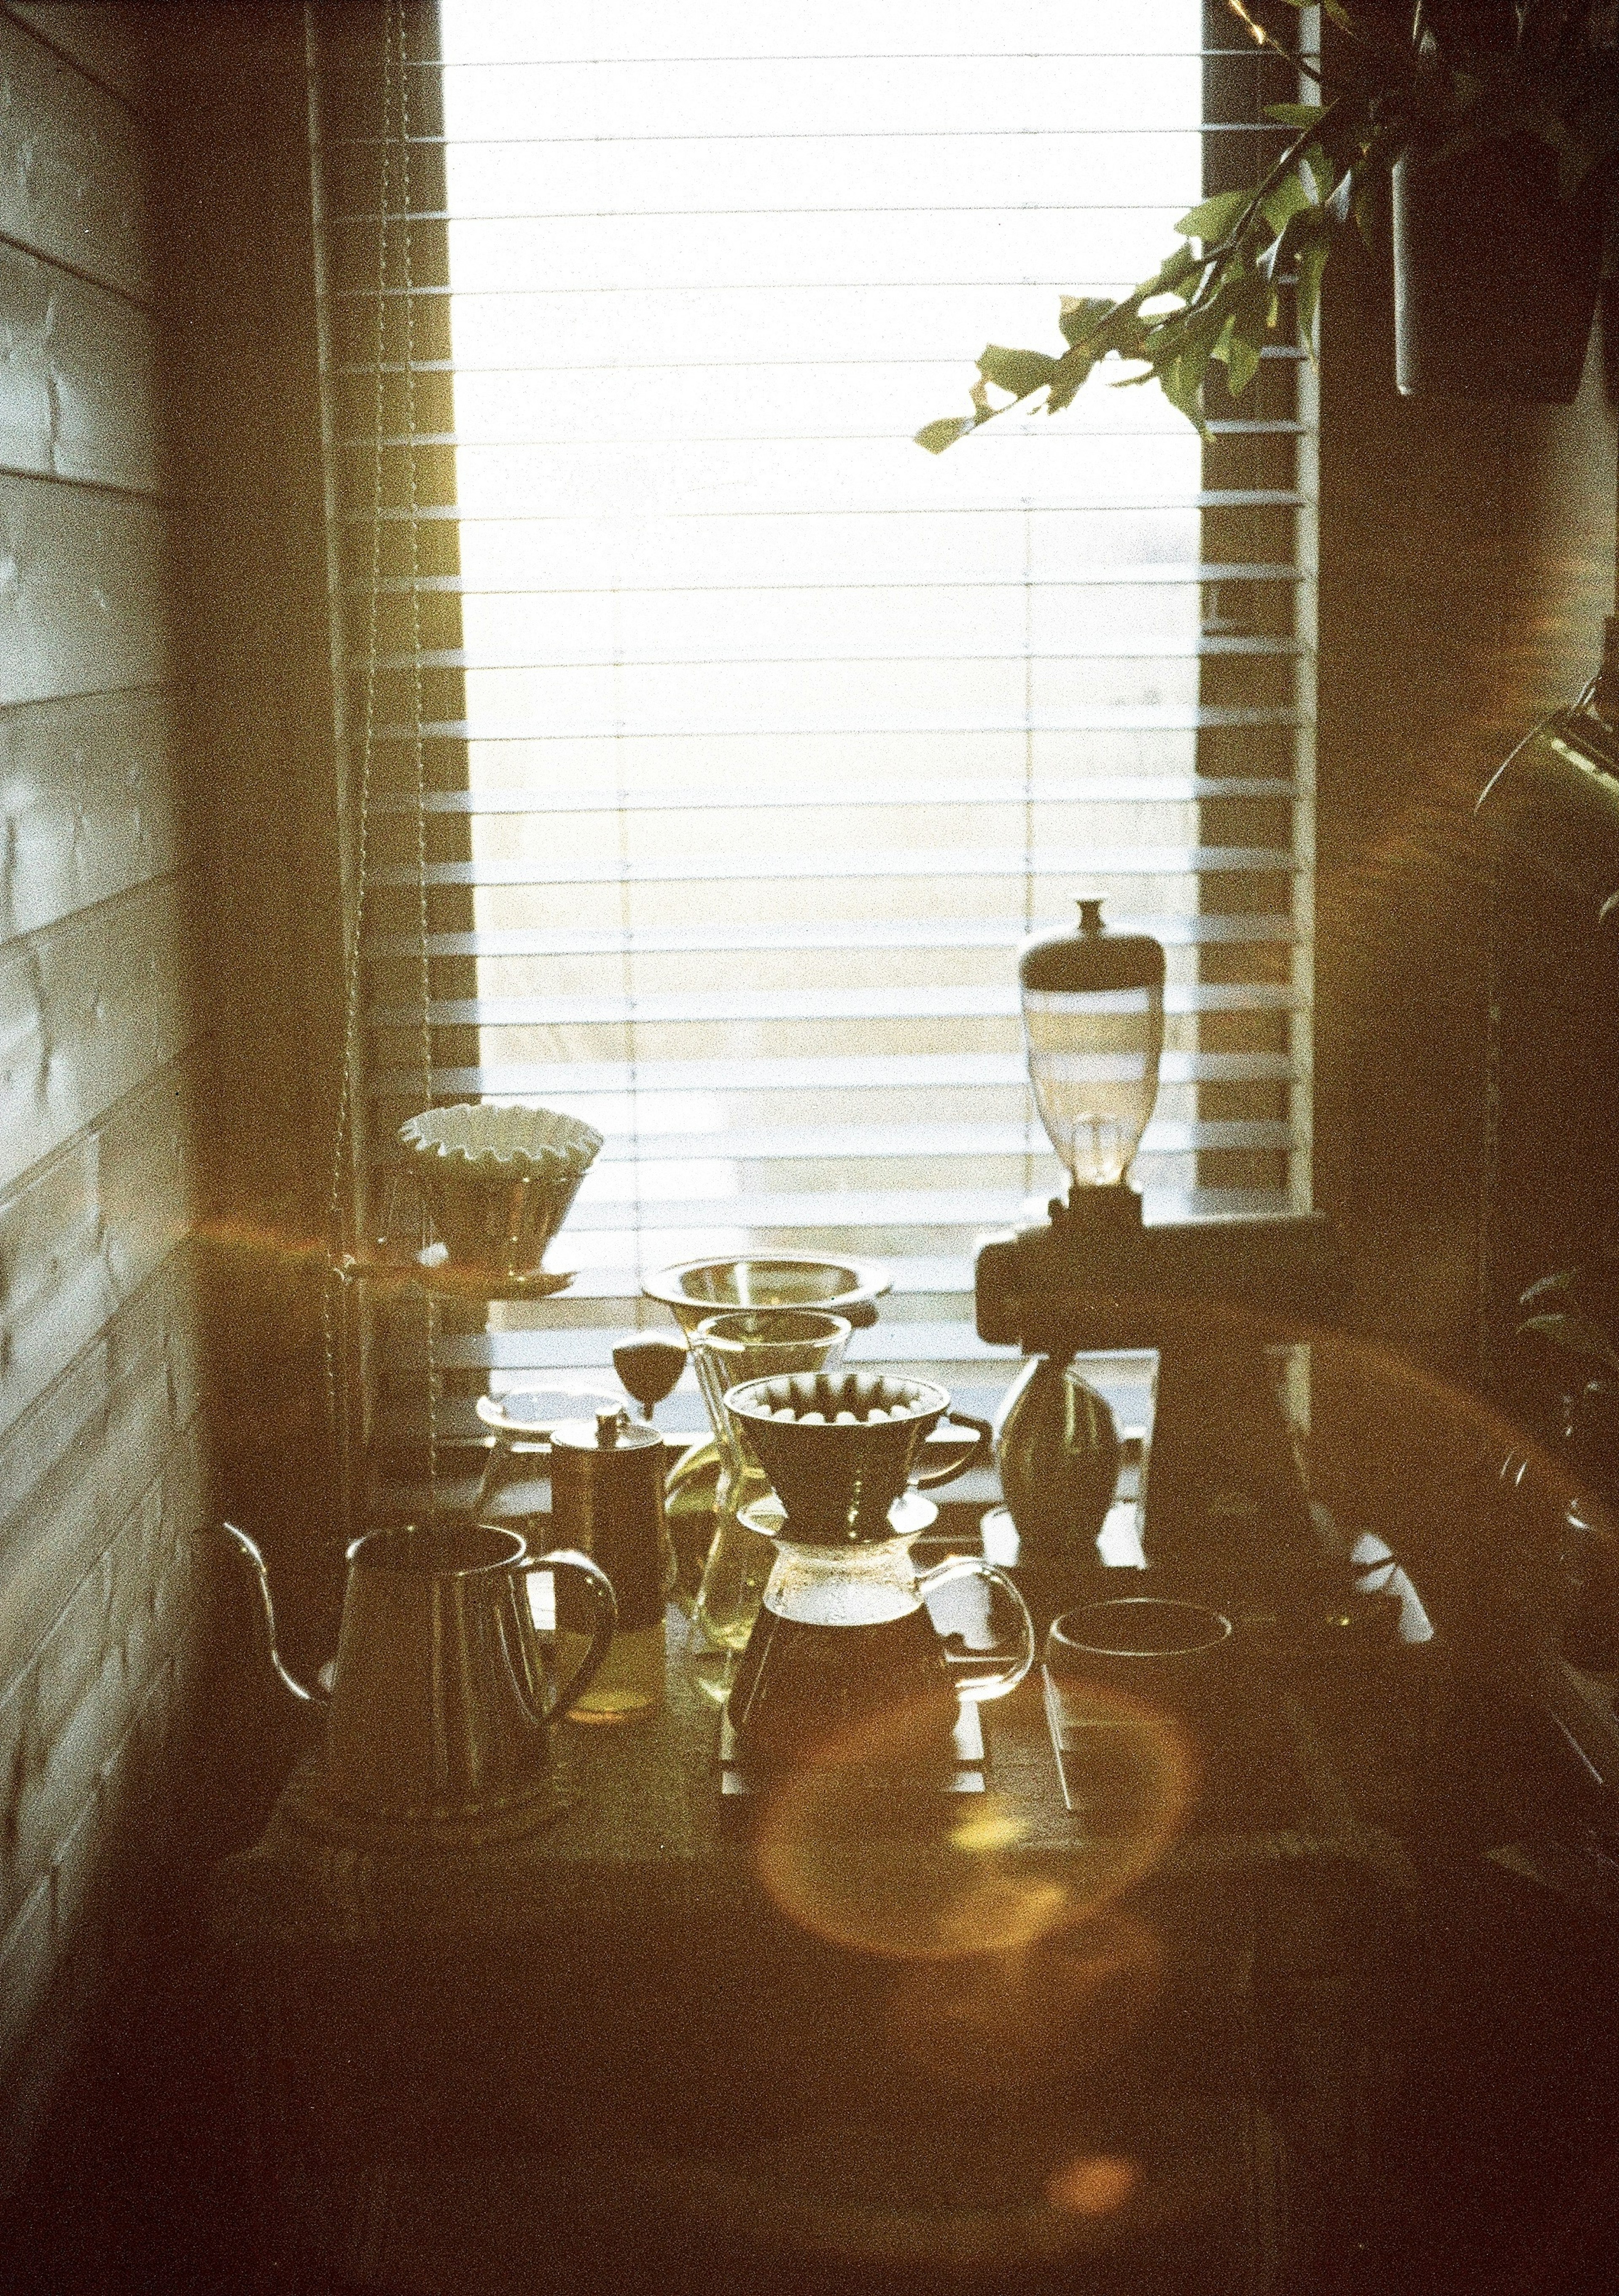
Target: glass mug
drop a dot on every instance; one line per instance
(1138, 1687)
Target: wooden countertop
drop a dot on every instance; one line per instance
(798, 2037)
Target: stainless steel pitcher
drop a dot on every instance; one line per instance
(436, 1716)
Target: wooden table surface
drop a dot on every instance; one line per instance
(974, 2040)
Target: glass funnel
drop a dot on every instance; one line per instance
(1093, 1030)
(742, 1344)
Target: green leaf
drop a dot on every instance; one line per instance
(1215, 217)
(1018, 371)
(1249, 310)
(1072, 370)
(1242, 362)
(1311, 262)
(1320, 170)
(1198, 331)
(1170, 276)
(937, 436)
(1295, 114)
(1283, 201)
(1125, 333)
(1079, 313)
(1181, 383)
(1560, 1286)
(1366, 215)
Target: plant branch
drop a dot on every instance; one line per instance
(1222, 303)
(1268, 40)
(1268, 183)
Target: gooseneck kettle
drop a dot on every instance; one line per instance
(438, 1715)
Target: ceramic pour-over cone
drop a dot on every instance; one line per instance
(499, 1181)
(838, 1446)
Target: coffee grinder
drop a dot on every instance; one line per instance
(1225, 1503)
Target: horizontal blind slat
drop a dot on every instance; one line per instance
(1205, 931)
(733, 1144)
(1103, 789)
(1146, 861)
(1211, 498)
(536, 659)
(578, 1080)
(1097, 576)
(901, 1003)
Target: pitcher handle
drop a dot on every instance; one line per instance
(1004, 1674)
(983, 1433)
(566, 1558)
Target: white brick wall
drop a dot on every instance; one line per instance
(92, 1740)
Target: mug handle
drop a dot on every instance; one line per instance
(1005, 1673)
(984, 1434)
(567, 1558)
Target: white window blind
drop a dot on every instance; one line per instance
(745, 739)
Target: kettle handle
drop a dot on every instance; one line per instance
(568, 1558)
(984, 1435)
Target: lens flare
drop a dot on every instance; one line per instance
(1026, 2024)
(928, 1875)
(1094, 2184)
(261, 1242)
(996, 1828)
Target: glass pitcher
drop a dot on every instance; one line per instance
(844, 1657)
(727, 1350)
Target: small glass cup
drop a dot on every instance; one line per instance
(1137, 1688)
(757, 1343)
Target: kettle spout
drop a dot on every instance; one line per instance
(249, 1548)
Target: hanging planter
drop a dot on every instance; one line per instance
(1495, 275)
(1497, 124)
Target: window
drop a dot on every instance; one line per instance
(744, 739)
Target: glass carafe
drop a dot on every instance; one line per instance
(845, 1661)
(844, 1657)
(727, 1350)
(1093, 1026)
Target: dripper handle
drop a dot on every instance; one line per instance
(983, 1436)
(979, 1674)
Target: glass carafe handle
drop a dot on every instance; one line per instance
(713, 1377)
(981, 1674)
